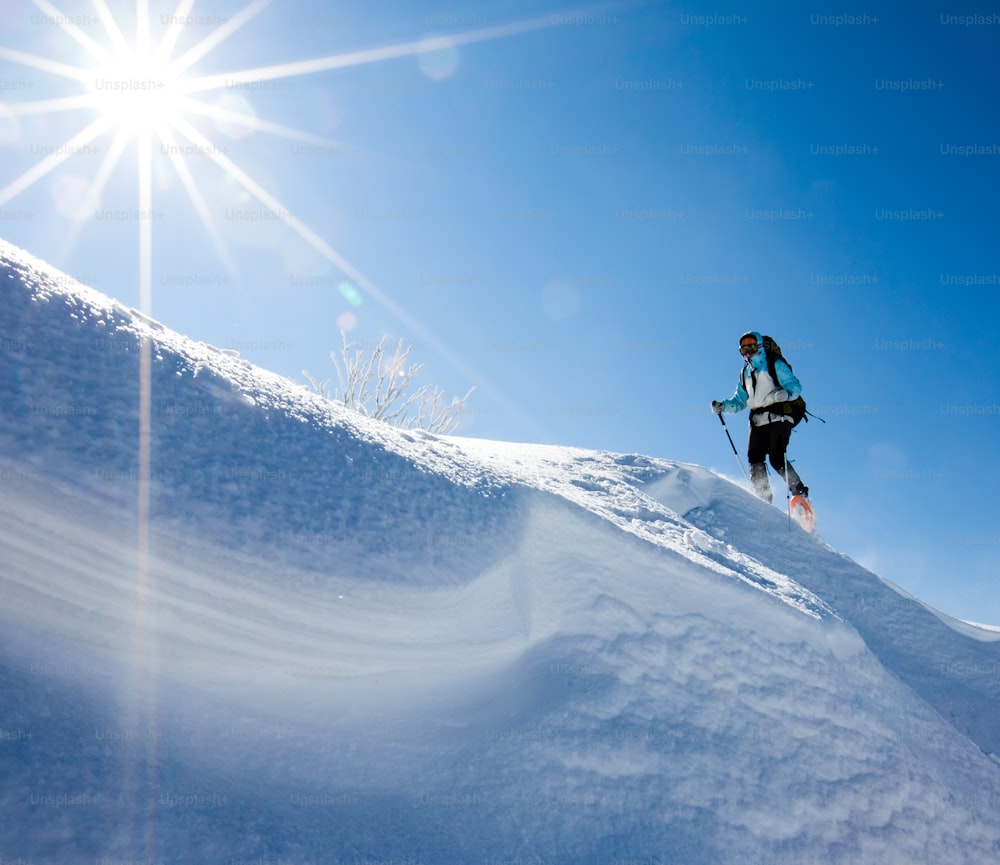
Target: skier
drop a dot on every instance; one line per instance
(770, 422)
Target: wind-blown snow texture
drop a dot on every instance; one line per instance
(353, 644)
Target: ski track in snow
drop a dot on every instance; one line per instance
(353, 643)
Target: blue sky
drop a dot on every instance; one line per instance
(578, 210)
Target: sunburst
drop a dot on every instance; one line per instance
(144, 92)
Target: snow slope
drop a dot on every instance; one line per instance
(337, 642)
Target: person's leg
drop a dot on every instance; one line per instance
(757, 449)
(761, 485)
(780, 433)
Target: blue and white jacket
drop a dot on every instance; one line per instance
(757, 389)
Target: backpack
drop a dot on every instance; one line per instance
(796, 408)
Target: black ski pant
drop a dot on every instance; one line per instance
(770, 441)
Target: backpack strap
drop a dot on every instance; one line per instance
(773, 353)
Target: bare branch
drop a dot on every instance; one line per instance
(318, 386)
(380, 385)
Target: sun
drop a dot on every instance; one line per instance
(137, 94)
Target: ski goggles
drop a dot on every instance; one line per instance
(749, 348)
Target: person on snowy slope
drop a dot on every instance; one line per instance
(770, 425)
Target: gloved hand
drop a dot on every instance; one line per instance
(717, 406)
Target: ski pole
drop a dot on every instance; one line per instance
(733, 446)
(788, 495)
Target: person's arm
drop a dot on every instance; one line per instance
(787, 380)
(738, 401)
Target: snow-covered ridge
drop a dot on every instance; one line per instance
(350, 643)
(608, 485)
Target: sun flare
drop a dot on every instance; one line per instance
(143, 91)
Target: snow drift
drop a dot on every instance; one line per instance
(295, 635)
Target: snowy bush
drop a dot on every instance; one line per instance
(380, 385)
